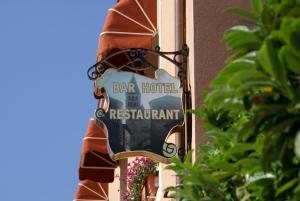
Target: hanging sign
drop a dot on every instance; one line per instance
(142, 112)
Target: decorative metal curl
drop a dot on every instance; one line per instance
(181, 152)
(138, 53)
(169, 149)
(138, 60)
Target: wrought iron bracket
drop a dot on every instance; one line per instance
(138, 61)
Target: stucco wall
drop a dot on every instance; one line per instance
(166, 30)
(205, 25)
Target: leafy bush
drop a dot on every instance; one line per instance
(252, 114)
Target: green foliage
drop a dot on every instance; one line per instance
(252, 113)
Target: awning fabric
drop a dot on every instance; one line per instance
(95, 163)
(91, 191)
(129, 24)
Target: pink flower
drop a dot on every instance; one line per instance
(137, 171)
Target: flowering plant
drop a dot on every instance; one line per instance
(137, 172)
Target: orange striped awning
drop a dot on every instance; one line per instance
(95, 163)
(129, 24)
(88, 190)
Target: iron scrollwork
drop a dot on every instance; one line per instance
(138, 61)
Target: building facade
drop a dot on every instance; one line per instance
(200, 24)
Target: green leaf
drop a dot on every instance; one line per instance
(297, 145)
(285, 28)
(254, 85)
(232, 68)
(261, 185)
(218, 96)
(242, 77)
(295, 40)
(239, 149)
(246, 131)
(269, 61)
(297, 189)
(266, 17)
(286, 186)
(223, 175)
(248, 165)
(290, 60)
(241, 37)
(257, 6)
(241, 12)
(264, 58)
(290, 31)
(295, 11)
(188, 159)
(223, 165)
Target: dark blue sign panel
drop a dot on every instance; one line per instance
(141, 114)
